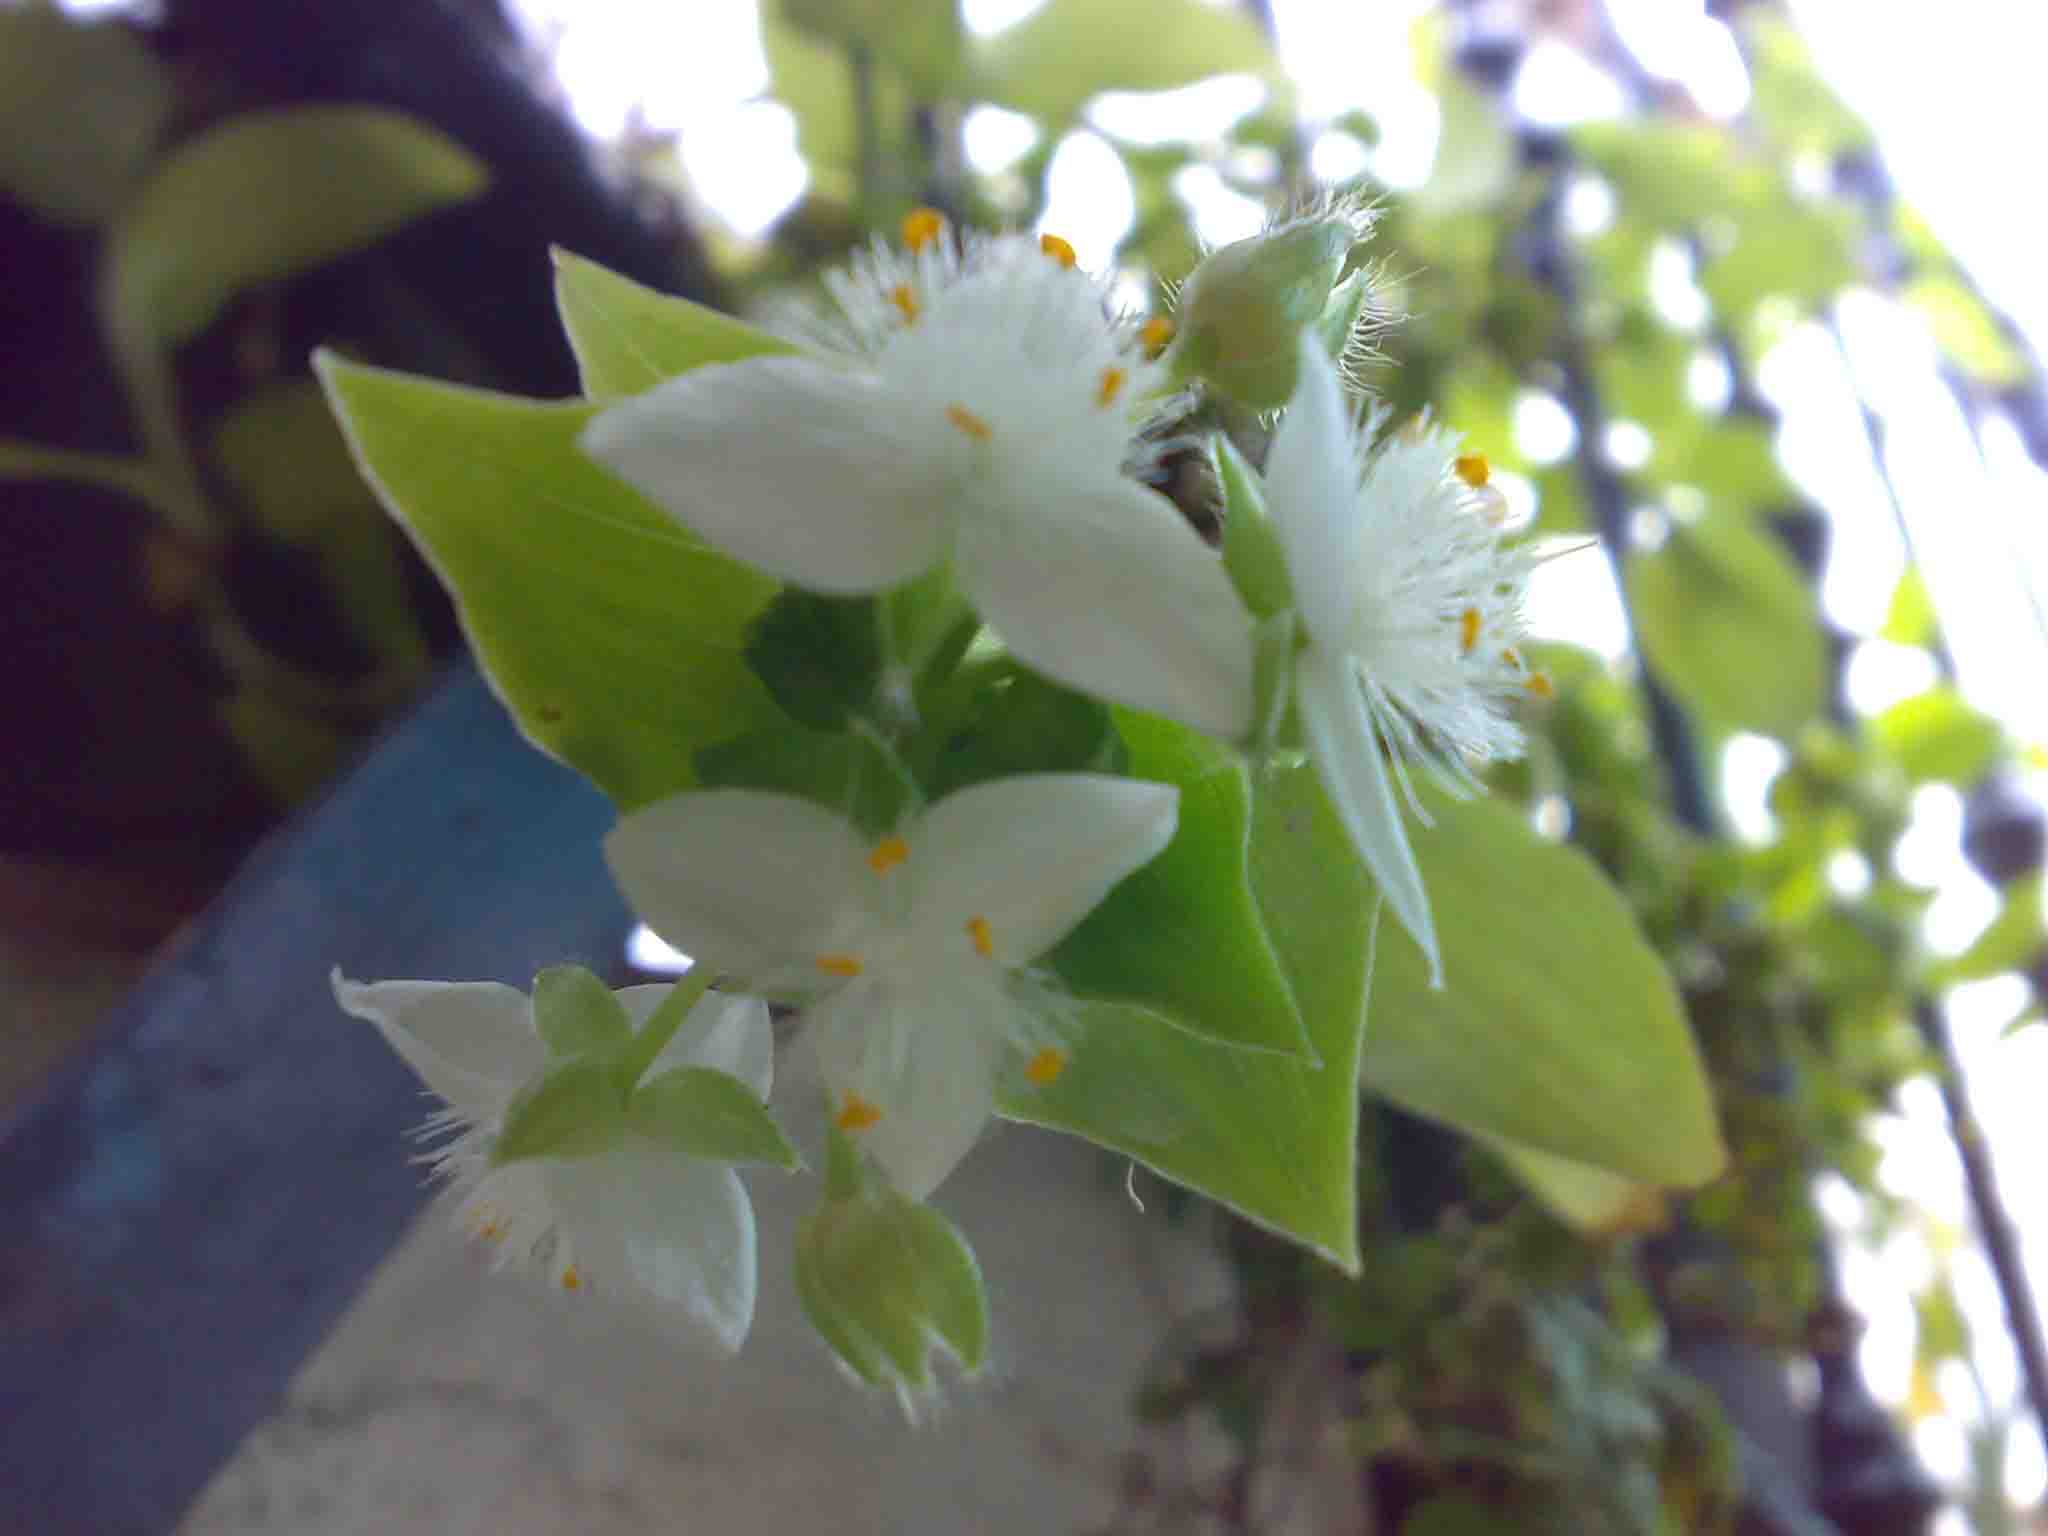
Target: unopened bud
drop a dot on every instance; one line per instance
(1245, 306)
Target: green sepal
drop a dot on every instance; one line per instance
(1252, 553)
(610, 632)
(578, 1015)
(847, 772)
(627, 337)
(573, 1109)
(1245, 306)
(701, 1112)
(1273, 1137)
(1557, 1025)
(884, 1280)
(819, 657)
(1182, 936)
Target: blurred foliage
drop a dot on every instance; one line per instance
(1507, 1354)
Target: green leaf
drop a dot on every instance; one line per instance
(574, 1109)
(1050, 63)
(1453, 1514)
(611, 634)
(1272, 1137)
(919, 39)
(848, 774)
(2013, 939)
(1019, 722)
(81, 109)
(1935, 735)
(1557, 1025)
(1966, 331)
(291, 751)
(1799, 110)
(1724, 617)
(1182, 936)
(628, 338)
(1589, 1199)
(577, 1015)
(703, 1113)
(1910, 620)
(281, 452)
(269, 194)
(819, 657)
(884, 1280)
(816, 82)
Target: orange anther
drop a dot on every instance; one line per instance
(1468, 630)
(1057, 249)
(1540, 685)
(921, 226)
(1473, 470)
(904, 297)
(857, 1114)
(1112, 383)
(984, 940)
(888, 853)
(969, 423)
(1155, 334)
(1046, 1066)
(571, 1281)
(840, 965)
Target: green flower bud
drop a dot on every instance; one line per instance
(884, 1279)
(1243, 309)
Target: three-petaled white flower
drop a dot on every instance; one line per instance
(1410, 604)
(908, 951)
(976, 401)
(636, 1216)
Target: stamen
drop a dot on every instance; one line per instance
(905, 299)
(1112, 382)
(984, 940)
(1473, 470)
(889, 852)
(1045, 1068)
(840, 965)
(490, 1231)
(1539, 683)
(1057, 249)
(857, 1114)
(571, 1281)
(1155, 334)
(969, 423)
(921, 226)
(1512, 657)
(1468, 630)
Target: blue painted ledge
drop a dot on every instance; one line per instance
(190, 1205)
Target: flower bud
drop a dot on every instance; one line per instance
(1243, 309)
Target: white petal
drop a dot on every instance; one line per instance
(1100, 584)
(1031, 856)
(1347, 756)
(472, 1042)
(800, 469)
(1312, 496)
(725, 1032)
(927, 1059)
(677, 1228)
(755, 885)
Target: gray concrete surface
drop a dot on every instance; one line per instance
(457, 1401)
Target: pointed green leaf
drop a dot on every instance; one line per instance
(1050, 63)
(271, 193)
(628, 338)
(1590, 1199)
(81, 110)
(1557, 1025)
(578, 1015)
(704, 1113)
(847, 774)
(611, 634)
(1723, 616)
(2011, 941)
(1936, 735)
(1182, 936)
(1272, 1137)
(572, 1110)
(1910, 619)
(819, 657)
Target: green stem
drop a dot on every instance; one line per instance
(144, 369)
(662, 1024)
(122, 473)
(843, 1177)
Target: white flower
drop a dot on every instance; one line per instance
(908, 951)
(634, 1217)
(1411, 609)
(977, 403)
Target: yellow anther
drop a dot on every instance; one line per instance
(1155, 334)
(490, 1231)
(571, 1281)
(1057, 249)
(857, 1114)
(969, 423)
(904, 297)
(1540, 684)
(1046, 1066)
(1468, 630)
(889, 852)
(1512, 657)
(1112, 383)
(1473, 470)
(921, 226)
(840, 965)
(984, 940)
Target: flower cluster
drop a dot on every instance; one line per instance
(970, 413)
